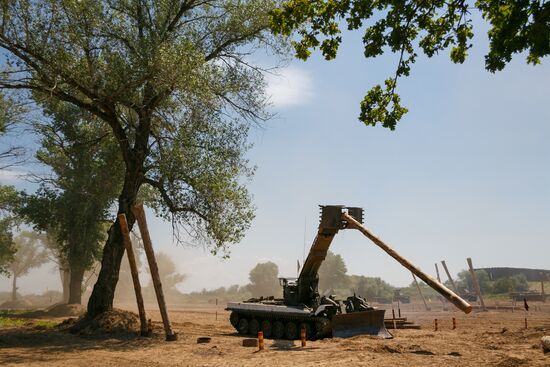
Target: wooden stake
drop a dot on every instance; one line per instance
(439, 280)
(398, 309)
(303, 336)
(476, 284)
(440, 288)
(260, 340)
(420, 293)
(448, 275)
(437, 273)
(454, 323)
(543, 296)
(148, 245)
(135, 275)
(435, 324)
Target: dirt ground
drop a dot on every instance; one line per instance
(493, 338)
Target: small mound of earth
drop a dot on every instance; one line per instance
(111, 322)
(63, 310)
(20, 304)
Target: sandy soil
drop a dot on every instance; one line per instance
(494, 338)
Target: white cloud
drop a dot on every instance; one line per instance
(10, 177)
(290, 86)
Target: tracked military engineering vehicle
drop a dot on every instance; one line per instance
(303, 308)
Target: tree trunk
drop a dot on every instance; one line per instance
(65, 281)
(14, 288)
(75, 287)
(101, 299)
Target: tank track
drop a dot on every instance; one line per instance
(316, 327)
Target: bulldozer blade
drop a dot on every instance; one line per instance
(360, 323)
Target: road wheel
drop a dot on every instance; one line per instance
(266, 328)
(291, 331)
(243, 326)
(234, 320)
(253, 327)
(307, 326)
(278, 330)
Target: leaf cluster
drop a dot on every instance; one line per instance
(10, 202)
(73, 203)
(405, 27)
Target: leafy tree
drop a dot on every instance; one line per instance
(370, 287)
(29, 254)
(465, 282)
(407, 28)
(332, 273)
(169, 276)
(10, 201)
(72, 205)
(264, 280)
(172, 81)
(514, 283)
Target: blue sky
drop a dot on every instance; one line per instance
(465, 174)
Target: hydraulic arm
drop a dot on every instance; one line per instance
(334, 218)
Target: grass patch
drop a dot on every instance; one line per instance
(45, 324)
(11, 313)
(11, 322)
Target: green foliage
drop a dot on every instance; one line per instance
(11, 322)
(332, 273)
(172, 81)
(72, 204)
(371, 287)
(514, 283)
(464, 281)
(45, 324)
(10, 201)
(234, 293)
(264, 280)
(408, 27)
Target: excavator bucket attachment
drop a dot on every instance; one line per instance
(360, 323)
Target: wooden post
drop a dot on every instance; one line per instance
(476, 284)
(448, 275)
(437, 286)
(398, 309)
(543, 296)
(439, 280)
(135, 275)
(437, 273)
(454, 323)
(420, 293)
(260, 340)
(303, 336)
(139, 213)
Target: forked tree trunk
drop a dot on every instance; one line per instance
(75, 285)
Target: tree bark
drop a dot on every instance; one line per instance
(101, 299)
(75, 286)
(65, 282)
(14, 288)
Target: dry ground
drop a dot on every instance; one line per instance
(494, 338)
